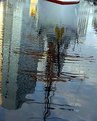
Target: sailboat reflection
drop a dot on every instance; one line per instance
(54, 60)
(57, 27)
(54, 65)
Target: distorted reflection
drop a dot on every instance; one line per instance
(1, 40)
(83, 19)
(49, 78)
(15, 77)
(47, 68)
(95, 19)
(33, 7)
(53, 14)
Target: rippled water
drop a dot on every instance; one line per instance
(48, 61)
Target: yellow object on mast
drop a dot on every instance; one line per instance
(59, 32)
(33, 7)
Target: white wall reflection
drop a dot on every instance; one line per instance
(1, 39)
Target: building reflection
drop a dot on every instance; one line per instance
(95, 19)
(10, 60)
(27, 64)
(83, 18)
(16, 83)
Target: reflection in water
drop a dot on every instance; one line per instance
(49, 77)
(95, 19)
(59, 33)
(43, 74)
(9, 79)
(53, 14)
(18, 77)
(83, 19)
(1, 39)
(55, 60)
(94, 2)
(33, 8)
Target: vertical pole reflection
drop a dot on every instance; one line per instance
(49, 80)
(59, 34)
(58, 45)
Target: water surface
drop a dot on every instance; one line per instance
(48, 61)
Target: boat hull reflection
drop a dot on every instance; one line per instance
(51, 14)
(65, 2)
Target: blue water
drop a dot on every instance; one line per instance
(48, 61)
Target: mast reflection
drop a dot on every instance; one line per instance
(54, 62)
(49, 78)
